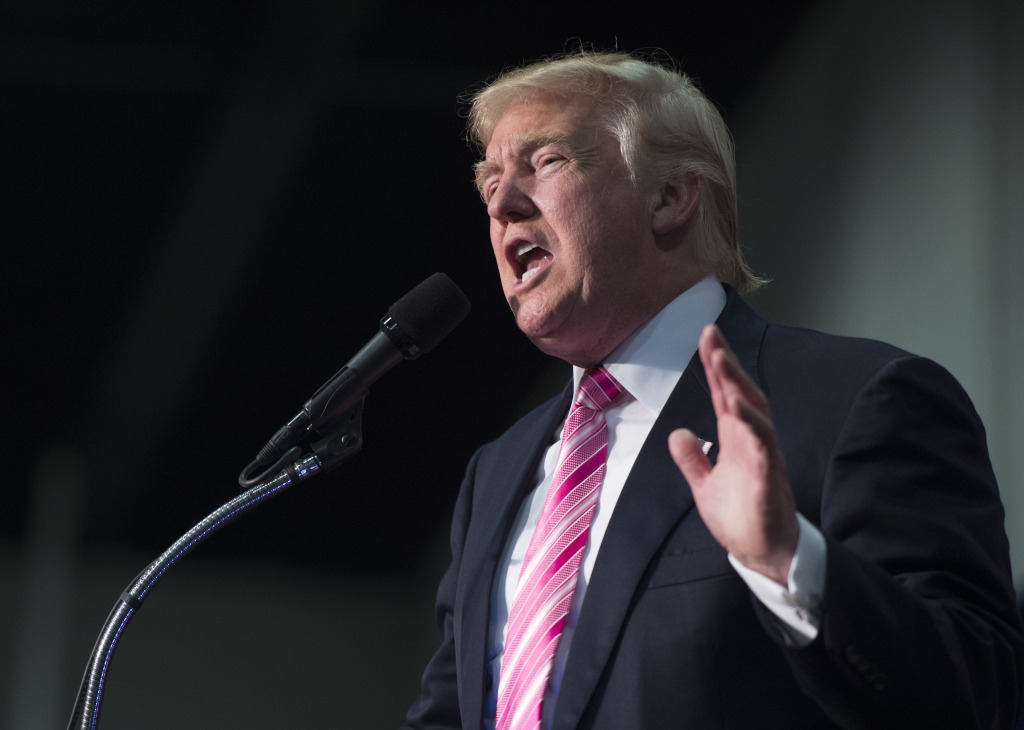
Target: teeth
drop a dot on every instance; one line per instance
(525, 248)
(527, 275)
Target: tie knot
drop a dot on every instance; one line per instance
(598, 389)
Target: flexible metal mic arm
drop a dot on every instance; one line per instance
(342, 441)
(413, 325)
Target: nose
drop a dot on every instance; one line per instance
(509, 203)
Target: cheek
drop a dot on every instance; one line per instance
(617, 216)
(496, 248)
(570, 213)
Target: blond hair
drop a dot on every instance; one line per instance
(665, 127)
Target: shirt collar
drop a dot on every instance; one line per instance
(650, 361)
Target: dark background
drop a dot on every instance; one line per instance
(206, 207)
(133, 138)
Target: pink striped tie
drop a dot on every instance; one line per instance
(552, 563)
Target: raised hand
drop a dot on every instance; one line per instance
(745, 500)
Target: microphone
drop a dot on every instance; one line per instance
(414, 324)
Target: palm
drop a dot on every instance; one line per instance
(745, 499)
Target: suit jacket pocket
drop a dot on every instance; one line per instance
(684, 567)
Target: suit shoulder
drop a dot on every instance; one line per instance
(798, 346)
(810, 360)
(813, 379)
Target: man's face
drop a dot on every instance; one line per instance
(568, 227)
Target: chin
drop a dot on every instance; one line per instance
(548, 328)
(537, 325)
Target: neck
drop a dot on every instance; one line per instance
(610, 327)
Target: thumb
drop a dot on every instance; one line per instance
(686, 453)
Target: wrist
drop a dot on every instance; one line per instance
(775, 567)
(777, 562)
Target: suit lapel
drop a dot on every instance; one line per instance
(653, 500)
(500, 498)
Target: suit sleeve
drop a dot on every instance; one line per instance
(919, 627)
(438, 705)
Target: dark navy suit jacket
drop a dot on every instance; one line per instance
(885, 454)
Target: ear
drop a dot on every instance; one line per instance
(675, 202)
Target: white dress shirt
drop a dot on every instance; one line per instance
(648, 364)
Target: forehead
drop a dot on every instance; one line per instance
(540, 120)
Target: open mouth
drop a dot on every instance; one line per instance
(529, 260)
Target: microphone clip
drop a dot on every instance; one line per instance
(342, 438)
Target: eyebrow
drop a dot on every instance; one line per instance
(522, 143)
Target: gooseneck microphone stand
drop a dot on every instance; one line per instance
(343, 443)
(414, 325)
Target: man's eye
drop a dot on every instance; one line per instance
(548, 160)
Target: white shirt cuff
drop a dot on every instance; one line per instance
(798, 608)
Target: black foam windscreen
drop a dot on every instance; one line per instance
(430, 311)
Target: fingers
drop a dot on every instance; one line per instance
(726, 377)
(758, 422)
(688, 456)
(735, 379)
(708, 344)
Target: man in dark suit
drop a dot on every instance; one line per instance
(720, 523)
